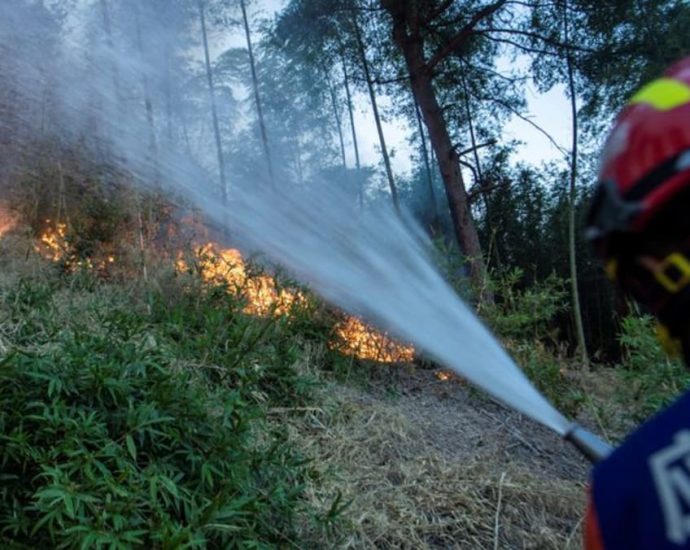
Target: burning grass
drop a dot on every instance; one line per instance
(358, 339)
(55, 245)
(7, 221)
(264, 297)
(217, 265)
(226, 266)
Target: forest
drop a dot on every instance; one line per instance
(242, 248)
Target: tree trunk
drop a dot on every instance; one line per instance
(137, 196)
(298, 159)
(577, 312)
(412, 47)
(350, 110)
(377, 117)
(148, 103)
(214, 110)
(338, 121)
(105, 12)
(168, 100)
(435, 225)
(257, 96)
(480, 177)
(62, 202)
(355, 145)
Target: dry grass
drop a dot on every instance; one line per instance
(407, 493)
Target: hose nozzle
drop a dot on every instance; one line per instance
(593, 448)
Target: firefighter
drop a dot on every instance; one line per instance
(639, 224)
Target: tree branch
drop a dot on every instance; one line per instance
(438, 11)
(456, 41)
(472, 169)
(522, 47)
(382, 81)
(510, 79)
(537, 36)
(474, 195)
(479, 146)
(531, 123)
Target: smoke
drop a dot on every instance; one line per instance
(119, 79)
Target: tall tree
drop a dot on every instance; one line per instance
(572, 256)
(257, 95)
(361, 50)
(212, 101)
(427, 168)
(410, 25)
(350, 111)
(338, 120)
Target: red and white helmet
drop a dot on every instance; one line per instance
(646, 158)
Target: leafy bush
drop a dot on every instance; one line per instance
(136, 420)
(652, 378)
(551, 375)
(526, 313)
(454, 267)
(523, 318)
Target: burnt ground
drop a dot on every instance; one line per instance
(426, 463)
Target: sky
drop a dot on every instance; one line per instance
(550, 111)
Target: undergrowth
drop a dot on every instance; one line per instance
(651, 379)
(134, 416)
(523, 318)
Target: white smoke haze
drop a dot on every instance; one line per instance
(129, 96)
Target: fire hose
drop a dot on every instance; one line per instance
(592, 447)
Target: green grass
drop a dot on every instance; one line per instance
(134, 417)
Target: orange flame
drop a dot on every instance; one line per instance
(53, 244)
(449, 376)
(227, 266)
(7, 221)
(263, 297)
(364, 342)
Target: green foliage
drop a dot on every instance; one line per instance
(133, 418)
(525, 226)
(453, 266)
(523, 317)
(245, 352)
(526, 313)
(652, 379)
(550, 374)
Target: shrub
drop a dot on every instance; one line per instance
(124, 428)
(652, 378)
(551, 375)
(526, 314)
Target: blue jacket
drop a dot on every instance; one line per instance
(640, 494)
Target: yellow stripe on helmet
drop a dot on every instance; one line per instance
(663, 94)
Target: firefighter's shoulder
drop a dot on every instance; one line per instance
(641, 492)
